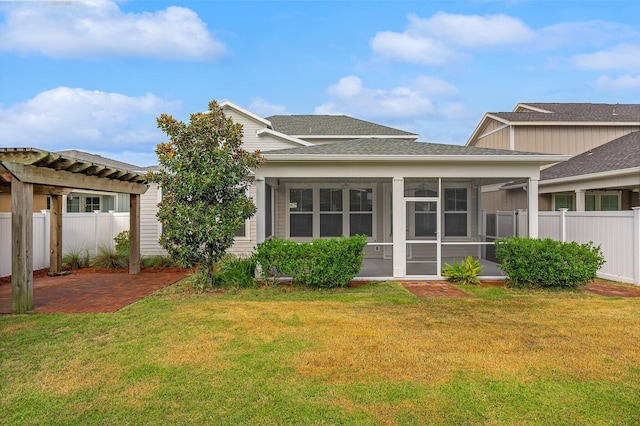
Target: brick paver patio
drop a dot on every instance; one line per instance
(91, 292)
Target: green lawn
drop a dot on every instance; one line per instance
(371, 355)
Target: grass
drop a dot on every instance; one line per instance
(365, 356)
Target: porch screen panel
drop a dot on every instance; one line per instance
(455, 212)
(301, 212)
(361, 212)
(331, 212)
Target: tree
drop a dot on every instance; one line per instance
(205, 177)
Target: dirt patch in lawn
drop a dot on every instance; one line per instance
(604, 288)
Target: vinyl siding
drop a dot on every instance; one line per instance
(569, 140)
(149, 227)
(498, 140)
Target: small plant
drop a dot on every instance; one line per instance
(110, 258)
(465, 272)
(123, 242)
(76, 259)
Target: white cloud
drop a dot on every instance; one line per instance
(92, 121)
(99, 28)
(621, 57)
(625, 82)
(424, 96)
(442, 39)
(263, 108)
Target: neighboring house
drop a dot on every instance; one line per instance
(572, 129)
(418, 203)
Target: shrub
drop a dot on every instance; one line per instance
(157, 262)
(327, 263)
(465, 272)
(531, 262)
(110, 258)
(76, 259)
(123, 242)
(232, 271)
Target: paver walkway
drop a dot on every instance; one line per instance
(95, 292)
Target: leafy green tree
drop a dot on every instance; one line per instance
(204, 176)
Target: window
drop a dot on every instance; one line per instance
(324, 212)
(361, 212)
(301, 212)
(455, 212)
(73, 204)
(590, 202)
(563, 201)
(91, 204)
(330, 212)
(609, 202)
(241, 232)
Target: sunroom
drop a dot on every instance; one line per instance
(418, 203)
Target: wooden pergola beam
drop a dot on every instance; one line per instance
(21, 247)
(46, 176)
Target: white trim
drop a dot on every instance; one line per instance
(592, 176)
(271, 132)
(228, 104)
(484, 135)
(410, 137)
(542, 158)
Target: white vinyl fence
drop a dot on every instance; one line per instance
(80, 232)
(617, 233)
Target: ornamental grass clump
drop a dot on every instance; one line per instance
(531, 262)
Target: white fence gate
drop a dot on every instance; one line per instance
(80, 232)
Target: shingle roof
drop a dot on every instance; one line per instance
(619, 154)
(328, 125)
(392, 147)
(575, 112)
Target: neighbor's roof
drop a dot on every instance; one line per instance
(572, 112)
(332, 125)
(619, 154)
(388, 149)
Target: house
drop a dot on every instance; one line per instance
(571, 129)
(418, 203)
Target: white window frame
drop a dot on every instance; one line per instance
(598, 195)
(346, 210)
(570, 194)
(455, 185)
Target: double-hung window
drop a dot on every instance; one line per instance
(455, 212)
(301, 212)
(323, 211)
(331, 221)
(361, 212)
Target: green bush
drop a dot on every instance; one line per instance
(157, 262)
(324, 263)
(465, 272)
(234, 271)
(530, 262)
(123, 242)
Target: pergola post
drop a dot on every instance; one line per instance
(55, 235)
(21, 246)
(134, 233)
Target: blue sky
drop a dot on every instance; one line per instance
(94, 75)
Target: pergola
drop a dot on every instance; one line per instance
(28, 171)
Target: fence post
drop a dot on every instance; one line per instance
(563, 225)
(97, 230)
(636, 245)
(46, 263)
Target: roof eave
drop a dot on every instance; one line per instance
(591, 176)
(542, 159)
